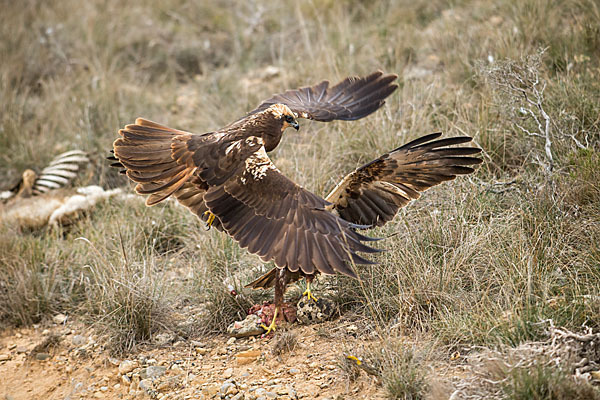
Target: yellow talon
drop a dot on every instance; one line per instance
(272, 326)
(209, 221)
(308, 292)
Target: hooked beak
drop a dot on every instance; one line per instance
(295, 125)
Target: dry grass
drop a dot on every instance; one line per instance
(477, 261)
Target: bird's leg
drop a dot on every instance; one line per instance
(308, 292)
(271, 326)
(209, 221)
(280, 284)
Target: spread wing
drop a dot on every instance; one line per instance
(373, 194)
(351, 99)
(234, 178)
(278, 220)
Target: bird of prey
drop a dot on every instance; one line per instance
(227, 179)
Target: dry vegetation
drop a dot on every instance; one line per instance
(477, 262)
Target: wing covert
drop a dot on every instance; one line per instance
(278, 220)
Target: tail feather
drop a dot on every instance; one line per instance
(265, 281)
(146, 150)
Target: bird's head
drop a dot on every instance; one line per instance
(282, 113)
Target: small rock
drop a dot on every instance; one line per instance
(282, 391)
(126, 380)
(271, 395)
(78, 340)
(221, 351)
(21, 349)
(210, 391)
(146, 385)
(352, 330)
(309, 311)
(201, 351)
(232, 391)
(248, 327)
(59, 319)
(42, 356)
(247, 357)
(239, 396)
(99, 395)
(46, 332)
(294, 371)
(127, 366)
(164, 338)
(11, 346)
(4, 357)
(231, 341)
(152, 372)
(228, 373)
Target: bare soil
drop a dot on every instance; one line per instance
(79, 367)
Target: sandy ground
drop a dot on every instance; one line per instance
(68, 361)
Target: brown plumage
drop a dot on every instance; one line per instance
(372, 194)
(229, 174)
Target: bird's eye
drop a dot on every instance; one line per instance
(289, 118)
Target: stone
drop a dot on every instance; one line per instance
(228, 373)
(210, 391)
(250, 326)
(232, 391)
(152, 372)
(239, 396)
(42, 356)
(127, 366)
(310, 312)
(271, 395)
(59, 319)
(294, 371)
(4, 357)
(231, 341)
(146, 385)
(201, 351)
(21, 349)
(281, 390)
(78, 340)
(247, 357)
(164, 338)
